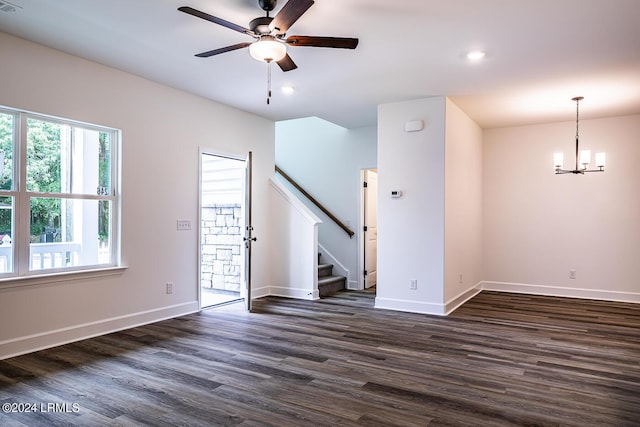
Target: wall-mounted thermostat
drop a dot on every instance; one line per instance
(396, 194)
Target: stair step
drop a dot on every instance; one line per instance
(325, 270)
(330, 284)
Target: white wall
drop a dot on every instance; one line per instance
(326, 160)
(162, 129)
(411, 229)
(538, 225)
(463, 206)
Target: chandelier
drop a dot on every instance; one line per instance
(583, 158)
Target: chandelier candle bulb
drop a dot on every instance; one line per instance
(585, 158)
(558, 160)
(601, 160)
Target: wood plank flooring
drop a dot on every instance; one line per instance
(499, 360)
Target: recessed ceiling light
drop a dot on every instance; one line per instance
(287, 90)
(476, 55)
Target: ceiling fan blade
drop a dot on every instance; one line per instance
(289, 14)
(335, 42)
(215, 20)
(223, 50)
(287, 64)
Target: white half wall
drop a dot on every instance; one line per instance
(162, 130)
(326, 160)
(411, 228)
(538, 225)
(463, 204)
(293, 246)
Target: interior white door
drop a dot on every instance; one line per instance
(249, 239)
(371, 233)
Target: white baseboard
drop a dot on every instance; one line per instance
(522, 288)
(463, 297)
(410, 306)
(264, 291)
(27, 344)
(426, 307)
(558, 291)
(352, 285)
(286, 292)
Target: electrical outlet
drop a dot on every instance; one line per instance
(169, 288)
(184, 224)
(414, 284)
(572, 274)
(460, 278)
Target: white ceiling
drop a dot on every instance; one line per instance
(540, 54)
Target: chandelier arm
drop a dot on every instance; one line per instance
(575, 171)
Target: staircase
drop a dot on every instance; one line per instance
(327, 282)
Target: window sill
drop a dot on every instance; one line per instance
(65, 276)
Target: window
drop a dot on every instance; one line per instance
(58, 195)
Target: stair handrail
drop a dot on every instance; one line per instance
(315, 202)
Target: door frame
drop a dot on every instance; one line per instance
(243, 273)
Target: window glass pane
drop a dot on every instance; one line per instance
(6, 151)
(43, 156)
(6, 233)
(65, 159)
(69, 233)
(104, 163)
(104, 224)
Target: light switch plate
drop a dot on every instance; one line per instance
(184, 224)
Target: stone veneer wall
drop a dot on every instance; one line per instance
(221, 247)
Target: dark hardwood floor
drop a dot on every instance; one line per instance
(499, 360)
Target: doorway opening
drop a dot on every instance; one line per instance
(369, 230)
(222, 230)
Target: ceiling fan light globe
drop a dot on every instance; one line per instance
(268, 50)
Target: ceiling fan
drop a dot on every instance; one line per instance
(270, 44)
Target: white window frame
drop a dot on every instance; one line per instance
(22, 208)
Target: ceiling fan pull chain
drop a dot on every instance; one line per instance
(268, 82)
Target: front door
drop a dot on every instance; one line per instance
(224, 208)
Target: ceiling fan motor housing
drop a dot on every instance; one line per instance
(267, 5)
(260, 25)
